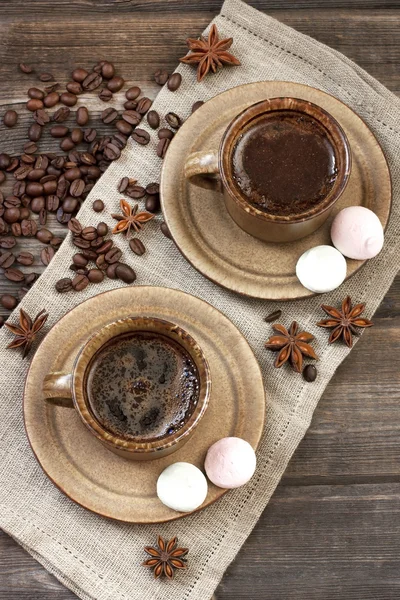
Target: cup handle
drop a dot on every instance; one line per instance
(57, 389)
(201, 169)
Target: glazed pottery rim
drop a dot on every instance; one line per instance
(335, 133)
(79, 376)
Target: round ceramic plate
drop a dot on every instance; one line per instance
(209, 238)
(93, 476)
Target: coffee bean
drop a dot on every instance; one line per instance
(137, 246)
(36, 94)
(92, 81)
(63, 217)
(274, 316)
(130, 105)
(24, 213)
(8, 302)
(56, 242)
(34, 188)
(132, 117)
(95, 276)
(141, 136)
(105, 95)
(72, 174)
(165, 230)
(25, 68)
(49, 89)
(165, 133)
(7, 259)
(70, 204)
(124, 127)
(47, 254)
(10, 118)
(16, 229)
(67, 144)
(79, 260)
(36, 174)
(310, 373)
(34, 104)
(59, 131)
(13, 165)
(12, 202)
(77, 135)
(61, 114)
(75, 226)
(110, 271)
(173, 120)
(11, 215)
(22, 292)
(89, 233)
(29, 148)
(2, 177)
(51, 99)
(174, 82)
(115, 84)
(46, 77)
(153, 203)
(112, 152)
(31, 278)
(25, 258)
(123, 184)
(49, 186)
(77, 187)
(41, 117)
(125, 273)
(104, 247)
(89, 254)
(98, 205)
(113, 255)
(102, 229)
(153, 119)
(7, 242)
(82, 116)
(101, 262)
(135, 191)
(93, 173)
(44, 235)
(152, 189)
(74, 87)
(52, 203)
(162, 147)
(89, 135)
(79, 74)
(109, 115)
(35, 132)
(5, 160)
(28, 228)
(14, 275)
(68, 99)
(144, 105)
(64, 285)
(161, 77)
(43, 217)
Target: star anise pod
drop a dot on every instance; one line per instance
(343, 323)
(292, 345)
(26, 331)
(130, 218)
(166, 557)
(209, 53)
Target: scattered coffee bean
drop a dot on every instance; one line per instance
(46, 77)
(11, 215)
(77, 135)
(124, 127)
(79, 74)
(61, 114)
(137, 246)
(104, 247)
(70, 204)
(174, 82)
(7, 259)
(35, 132)
(25, 258)
(141, 136)
(113, 255)
(82, 116)
(67, 144)
(13, 165)
(162, 147)
(173, 120)
(153, 119)
(75, 226)
(44, 235)
(34, 104)
(107, 70)
(161, 77)
(105, 95)
(153, 203)
(144, 105)
(130, 105)
(123, 184)
(98, 205)
(112, 152)
(74, 87)
(14, 275)
(28, 228)
(25, 68)
(47, 254)
(59, 131)
(152, 189)
(10, 118)
(89, 233)
(95, 276)
(165, 133)
(132, 117)
(5, 160)
(51, 99)
(8, 302)
(79, 260)
(77, 187)
(7, 242)
(102, 229)
(89, 135)
(109, 115)
(115, 84)
(64, 285)
(41, 117)
(2, 177)
(43, 217)
(51, 88)
(310, 373)
(165, 230)
(274, 316)
(136, 192)
(56, 241)
(101, 262)
(125, 273)
(110, 271)
(92, 82)
(68, 99)
(133, 93)
(197, 105)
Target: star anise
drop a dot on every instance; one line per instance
(166, 557)
(130, 218)
(26, 331)
(343, 323)
(291, 345)
(209, 53)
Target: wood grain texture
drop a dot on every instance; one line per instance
(331, 530)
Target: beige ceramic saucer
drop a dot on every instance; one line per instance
(208, 237)
(93, 476)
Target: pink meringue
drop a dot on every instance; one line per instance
(230, 462)
(357, 233)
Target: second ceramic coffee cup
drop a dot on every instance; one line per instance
(213, 169)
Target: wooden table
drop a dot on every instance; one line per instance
(331, 531)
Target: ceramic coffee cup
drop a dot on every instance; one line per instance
(133, 373)
(214, 170)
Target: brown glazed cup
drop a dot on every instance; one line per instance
(70, 390)
(213, 170)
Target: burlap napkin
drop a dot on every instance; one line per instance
(98, 558)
